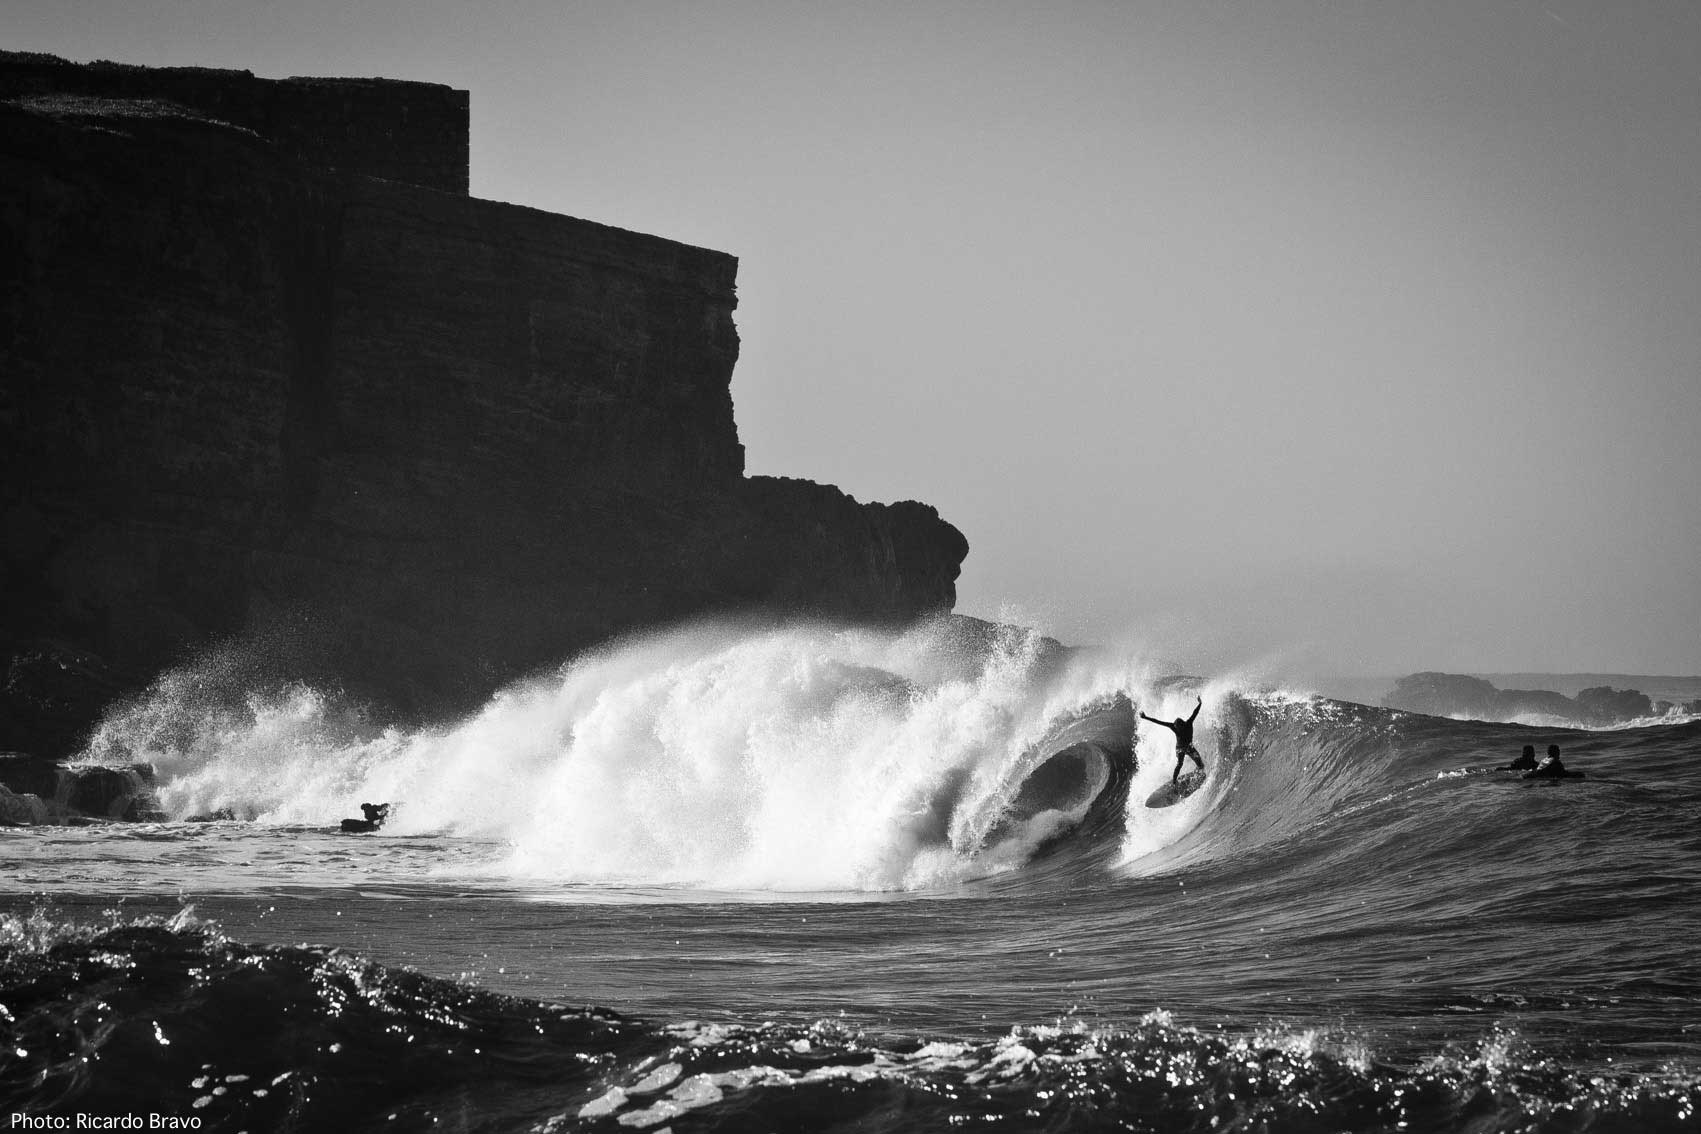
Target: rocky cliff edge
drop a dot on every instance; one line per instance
(368, 430)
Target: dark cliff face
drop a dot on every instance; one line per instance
(408, 442)
(411, 132)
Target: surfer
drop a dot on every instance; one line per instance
(1525, 762)
(375, 814)
(1550, 768)
(1183, 730)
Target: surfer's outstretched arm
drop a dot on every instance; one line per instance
(1154, 720)
(1196, 709)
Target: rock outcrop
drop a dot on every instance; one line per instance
(1445, 695)
(273, 378)
(37, 790)
(21, 809)
(1459, 695)
(1604, 703)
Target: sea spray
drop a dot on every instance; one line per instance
(803, 757)
(1363, 926)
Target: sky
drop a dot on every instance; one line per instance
(1339, 338)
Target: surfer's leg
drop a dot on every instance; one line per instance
(1180, 759)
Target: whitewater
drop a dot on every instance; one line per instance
(742, 877)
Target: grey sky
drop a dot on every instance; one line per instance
(1351, 337)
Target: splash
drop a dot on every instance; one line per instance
(799, 758)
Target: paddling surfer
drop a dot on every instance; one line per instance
(1551, 768)
(1183, 730)
(1526, 762)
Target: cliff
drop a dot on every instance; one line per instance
(268, 385)
(400, 131)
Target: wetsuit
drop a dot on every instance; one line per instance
(1524, 763)
(1183, 730)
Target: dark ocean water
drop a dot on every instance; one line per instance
(839, 880)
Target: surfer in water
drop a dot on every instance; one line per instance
(1551, 768)
(1525, 762)
(1183, 730)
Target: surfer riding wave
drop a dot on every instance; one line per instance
(1183, 730)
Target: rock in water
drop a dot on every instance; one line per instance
(21, 810)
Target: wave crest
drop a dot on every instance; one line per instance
(802, 758)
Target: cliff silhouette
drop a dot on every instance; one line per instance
(275, 384)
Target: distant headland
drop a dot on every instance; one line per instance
(1475, 697)
(276, 383)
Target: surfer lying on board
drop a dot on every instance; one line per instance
(1183, 730)
(1526, 762)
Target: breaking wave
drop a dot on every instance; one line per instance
(805, 758)
(809, 759)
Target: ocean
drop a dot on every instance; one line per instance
(826, 878)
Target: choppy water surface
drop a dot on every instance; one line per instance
(817, 879)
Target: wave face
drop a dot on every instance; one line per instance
(1302, 777)
(811, 759)
(1357, 923)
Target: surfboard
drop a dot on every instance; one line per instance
(1177, 790)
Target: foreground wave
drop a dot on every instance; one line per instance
(799, 758)
(811, 759)
(846, 879)
(95, 1019)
